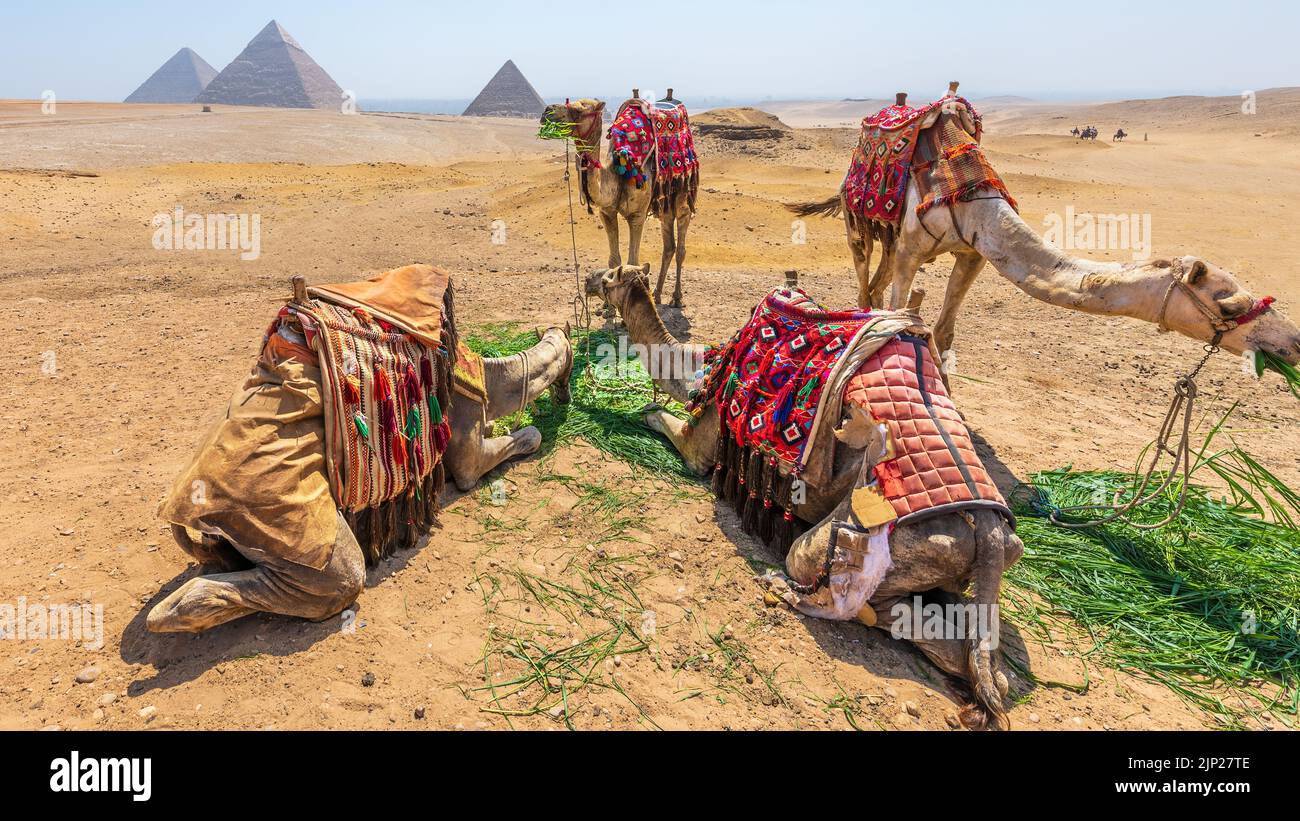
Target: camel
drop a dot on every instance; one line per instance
(614, 197)
(947, 552)
(1186, 294)
(240, 579)
(1119, 136)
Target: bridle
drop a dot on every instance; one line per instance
(1220, 325)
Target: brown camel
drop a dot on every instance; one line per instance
(244, 576)
(613, 196)
(1186, 294)
(948, 552)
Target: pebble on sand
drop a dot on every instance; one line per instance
(88, 675)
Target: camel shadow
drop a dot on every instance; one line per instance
(179, 658)
(876, 650)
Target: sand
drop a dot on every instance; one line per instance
(148, 345)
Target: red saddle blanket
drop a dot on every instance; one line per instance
(875, 186)
(663, 130)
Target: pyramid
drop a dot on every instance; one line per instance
(180, 80)
(273, 70)
(507, 94)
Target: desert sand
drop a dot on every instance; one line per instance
(148, 345)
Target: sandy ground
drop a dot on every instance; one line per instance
(117, 356)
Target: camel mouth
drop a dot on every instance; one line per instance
(595, 285)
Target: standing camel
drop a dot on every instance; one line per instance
(668, 196)
(1186, 294)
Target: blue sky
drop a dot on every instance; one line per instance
(811, 48)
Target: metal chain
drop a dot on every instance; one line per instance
(1180, 413)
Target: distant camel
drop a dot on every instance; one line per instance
(1074, 132)
(1119, 136)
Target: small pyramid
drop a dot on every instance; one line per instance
(180, 80)
(273, 70)
(507, 94)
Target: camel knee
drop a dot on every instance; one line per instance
(198, 605)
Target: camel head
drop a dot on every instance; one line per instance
(1203, 300)
(613, 285)
(586, 115)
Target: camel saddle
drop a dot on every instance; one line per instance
(645, 133)
(780, 386)
(951, 166)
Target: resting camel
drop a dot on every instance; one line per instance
(614, 197)
(948, 552)
(1187, 294)
(247, 577)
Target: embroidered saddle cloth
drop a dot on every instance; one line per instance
(386, 349)
(678, 167)
(883, 162)
(632, 141)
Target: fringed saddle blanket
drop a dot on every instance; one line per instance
(386, 382)
(779, 386)
(959, 170)
(678, 166)
(344, 409)
(882, 165)
(632, 141)
(660, 133)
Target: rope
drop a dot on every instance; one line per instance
(581, 309)
(1179, 416)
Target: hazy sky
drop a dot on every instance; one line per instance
(729, 48)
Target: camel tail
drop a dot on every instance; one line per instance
(990, 557)
(831, 207)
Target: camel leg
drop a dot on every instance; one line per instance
(670, 245)
(272, 586)
(880, 279)
(964, 273)
(903, 263)
(609, 219)
(683, 225)
(471, 453)
(860, 247)
(513, 382)
(697, 444)
(635, 225)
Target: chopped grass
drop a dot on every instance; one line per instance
(1265, 361)
(606, 407)
(1209, 607)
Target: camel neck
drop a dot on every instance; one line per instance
(1045, 273)
(671, 364)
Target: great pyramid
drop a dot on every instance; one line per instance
(507, 94)
(180, 80)
(273, 70)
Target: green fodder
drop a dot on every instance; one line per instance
(1208, 606)
(608, 396)
(1265, 361)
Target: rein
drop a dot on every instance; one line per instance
(1178, 419)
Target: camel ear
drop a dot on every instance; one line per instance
(645, 269)
(600, 105)
(1197, 273)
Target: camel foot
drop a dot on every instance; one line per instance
(677, 302)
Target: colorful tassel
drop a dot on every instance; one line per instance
(352, 389)
(362, 427)
(435, 409)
